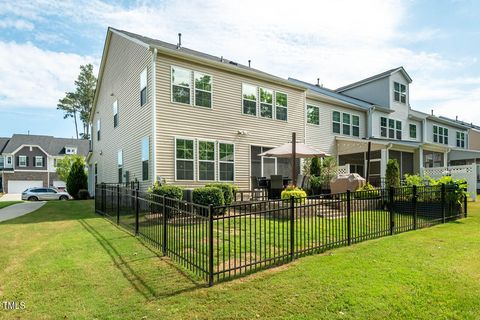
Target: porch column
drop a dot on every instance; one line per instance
(445, 159)
(420, 156)
(383, 162)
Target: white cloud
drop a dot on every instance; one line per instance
(18, 24)
(32, 77)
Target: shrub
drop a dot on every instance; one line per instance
(83, 194)
(77, 179)
(172, 192)
(315, 181)
(392, 175)
(206, 196)
(414, 180)
(297, 193)
(315, 167)
(227, 189)
(366, 191)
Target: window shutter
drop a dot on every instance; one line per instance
(18, 161)
(27, 160)
(44, 161)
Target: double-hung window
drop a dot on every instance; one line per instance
(440, 135)
(226, 161)
(98, 129)
(181, 83)
(2, 162)
(399, 92)
(383, 127)
(355, 126)
(336, 122)
(22, 161)
(143, 87)
(145, 157)
(38, 161)
(206, 160)
(398, 127)
(460, 139)
(120, 165)
(281, 106)
(266, 103)
(115, 113)
(346, 124)
(391, 128)
(313, 115)
(203, 90)
(184, 159)
(249, 97)
(413, 131)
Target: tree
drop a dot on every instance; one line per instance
(315, 167)
(77, 178)
(65, 164)
(79, 103)
(392, 175)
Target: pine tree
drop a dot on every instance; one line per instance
(77, 179)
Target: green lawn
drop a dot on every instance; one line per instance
(64, 261)
(4, 204)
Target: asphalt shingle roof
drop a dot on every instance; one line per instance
(53, 146)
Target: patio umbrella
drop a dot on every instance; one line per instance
(294, 150)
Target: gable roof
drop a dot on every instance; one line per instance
(376, 77)
(53, 146)
(3, 143)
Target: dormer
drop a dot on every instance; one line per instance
(70, 150)
(388, 89)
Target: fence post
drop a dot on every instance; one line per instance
(104, 198)
(118, 204)
(136, 212)
(164, 241)
(443, 202)
(292, 227)
(414, 205)
(392, 210)
(349, 218)
(210, 245)
(465, 202)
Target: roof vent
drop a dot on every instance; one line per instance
(432, 112)
(221, 59)
(234, 63)
(318, 82)
(456, 118)
(249, 63)
(179, 44)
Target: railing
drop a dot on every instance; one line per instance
(219, 243)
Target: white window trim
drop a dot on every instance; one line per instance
(115, 113)
(142, 159)
(306, 115)
(339, 122)
(233, 162)
(194, 88)
(98, 129)
(189, 88)
(260, 103)
(416, 131)
(196, 156)
(400, 92)
(175, 138)
(143, 78)
(342, 124)
(462, 138)
(256, 101)
(355, 126)
(275, 104)
(20, 161)
(9, 160)
(443, 135)
(36, 159)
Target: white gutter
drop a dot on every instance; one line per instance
(154, 113)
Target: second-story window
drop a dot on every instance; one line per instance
(413, 131)
(143, 87)
(249, 97)
(440, 135)
(22, 161)
(266, 103)
(355, 126)
(281, 106)
(181, 79)
(460, 139)
(336, 122)
(390, 128)
(398, 127)
(313, 114)
(346, 124)
(38, 161)
(120, 165)
(203, 90)
(115, 113)
(383, 127)
(399, 92)
(145, 157)
(98, 129)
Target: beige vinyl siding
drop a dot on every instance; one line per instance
(124, 63)
(222, 122)
(322, 136)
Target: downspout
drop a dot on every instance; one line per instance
(154, 114)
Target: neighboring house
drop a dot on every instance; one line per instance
(30, 160)
(162, 111)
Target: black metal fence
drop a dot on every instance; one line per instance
(219, 243)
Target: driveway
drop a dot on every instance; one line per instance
(11, 197)
(19, 209)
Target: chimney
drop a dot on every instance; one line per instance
(432, 112)
(249, 63)
(179, 45)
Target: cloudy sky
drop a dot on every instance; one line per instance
(43, 43)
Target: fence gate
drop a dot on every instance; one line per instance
(468, 173)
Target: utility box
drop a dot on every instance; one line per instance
(344, 182)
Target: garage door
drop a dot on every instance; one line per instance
(59, 184)
(18, 186)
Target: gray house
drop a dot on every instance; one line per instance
(30, 160)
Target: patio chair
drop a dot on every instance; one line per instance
(276, 186)
(256, 188)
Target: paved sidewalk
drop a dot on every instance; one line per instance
(19, 209)
(11, 197)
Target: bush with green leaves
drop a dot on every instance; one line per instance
(392, 175)
(77, 178)
(207, 196)
(315, 167)
(315, 181)
(172, 192)
(297, 193)
(367, 191)
(227, 189)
